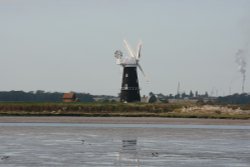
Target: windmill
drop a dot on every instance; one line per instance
(130, 91)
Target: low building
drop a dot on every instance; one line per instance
(69, 97)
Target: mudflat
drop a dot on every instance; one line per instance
(123, 141)
(122, 120)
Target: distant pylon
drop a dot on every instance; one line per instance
(178, 88)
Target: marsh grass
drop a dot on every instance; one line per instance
(115, 109)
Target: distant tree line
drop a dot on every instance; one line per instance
(39, 96)
(42, 96)
(235, 99)
(183, 95)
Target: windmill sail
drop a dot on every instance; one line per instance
(138, 52)
(130, 51)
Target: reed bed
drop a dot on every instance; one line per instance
(115, 109)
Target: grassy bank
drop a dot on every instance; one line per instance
(176, 110)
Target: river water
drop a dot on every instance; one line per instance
(107, 145)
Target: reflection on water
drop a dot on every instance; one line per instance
(128, 154)
(129, 146)
(96, 146)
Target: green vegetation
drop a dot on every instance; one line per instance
(177, 110)
(86, 109)
(239, 99)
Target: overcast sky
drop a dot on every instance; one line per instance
(69, 45)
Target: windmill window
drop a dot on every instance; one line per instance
(126, 86)
(126, 75)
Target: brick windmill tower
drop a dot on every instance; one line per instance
(130, 91)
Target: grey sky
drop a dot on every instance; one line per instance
(64, 45)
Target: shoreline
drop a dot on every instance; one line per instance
(121, 120)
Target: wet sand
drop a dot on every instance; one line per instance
(123, 141)
(100, 145)
(123, 120)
